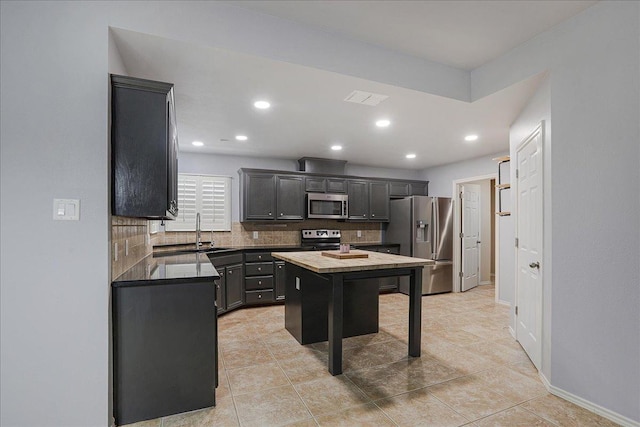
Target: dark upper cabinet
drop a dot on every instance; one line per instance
(259, 196)
(378, 201)
(336, 185)
(315, 185)
(267, 196)
(144, 149)
(368, 200)
(290, 197)
(325, 185)
(419, 188)
(358, 192)
(399, 189)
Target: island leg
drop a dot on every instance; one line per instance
(415, 311)
(335, 324)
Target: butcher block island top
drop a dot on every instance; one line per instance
(318, 263)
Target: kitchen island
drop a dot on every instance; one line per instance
(336, 274)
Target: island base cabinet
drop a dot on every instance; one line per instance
(307, 304)
(164, 349)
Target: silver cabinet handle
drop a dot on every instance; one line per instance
(259, 256)
(281, 214)
(259, 296)
(259, 268)
(535, 265)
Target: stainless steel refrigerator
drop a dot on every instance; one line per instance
(424, 228)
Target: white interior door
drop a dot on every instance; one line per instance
(529, 250)
(470, 236)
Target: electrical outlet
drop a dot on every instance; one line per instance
(115, 251)
(126, 247)
(255, 234)
(359, 233)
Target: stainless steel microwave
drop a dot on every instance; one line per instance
(327, 206)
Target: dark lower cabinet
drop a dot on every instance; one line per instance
(221, 290)
(164, 349)
(280, 278)
(234, 288)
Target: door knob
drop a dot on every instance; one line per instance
(478, 241)
(535, 265)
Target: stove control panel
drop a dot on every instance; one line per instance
(320, 234)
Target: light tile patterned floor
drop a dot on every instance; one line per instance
(471, 373)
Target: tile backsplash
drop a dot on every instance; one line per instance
(134, 233)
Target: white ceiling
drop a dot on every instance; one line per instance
(462, 34)
(215, 88)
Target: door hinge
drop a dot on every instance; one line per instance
(517, 242)
(461, 235)
(461, 195)
(461, 274)
(516, 310)
(517, 173)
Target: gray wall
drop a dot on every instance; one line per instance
(210, 164)
(441, 177)
(54, 141)
(593, 61)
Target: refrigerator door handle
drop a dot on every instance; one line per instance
(436, 227)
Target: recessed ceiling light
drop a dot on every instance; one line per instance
(336, 147)
(470, 138)
(383, 123)
(197, 143)
(262, 105)
(410, 156)
(241, 138)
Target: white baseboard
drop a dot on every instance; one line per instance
(503, 302)
(589, 406)
(486, 282)
(513, 334)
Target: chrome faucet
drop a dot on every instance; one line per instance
(198, 234)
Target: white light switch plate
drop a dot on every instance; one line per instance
(66, 209)
(359, 233)
(255, 234)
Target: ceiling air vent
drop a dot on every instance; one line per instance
(365, 98)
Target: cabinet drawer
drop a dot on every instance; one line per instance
(258, 269)
(258, 256)
(256, 297)
(258, 282)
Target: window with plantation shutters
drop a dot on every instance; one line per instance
(210, 196)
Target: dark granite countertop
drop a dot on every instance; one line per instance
(164, 268)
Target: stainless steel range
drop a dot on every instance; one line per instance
(320, 239)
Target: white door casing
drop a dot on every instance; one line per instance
(529, 248)
(470, 236)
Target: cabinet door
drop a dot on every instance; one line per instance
(280, 280)
(335, 185)
(143, 149)
(172, 157)
(315, 185)
(221, 285)
(378, 201)
(234, 288)
(358, 192)
(290, 197)
(419, 189)
(259, 196)
(399, 189)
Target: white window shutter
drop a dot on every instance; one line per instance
(208, 195)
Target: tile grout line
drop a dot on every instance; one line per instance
(289, 380)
